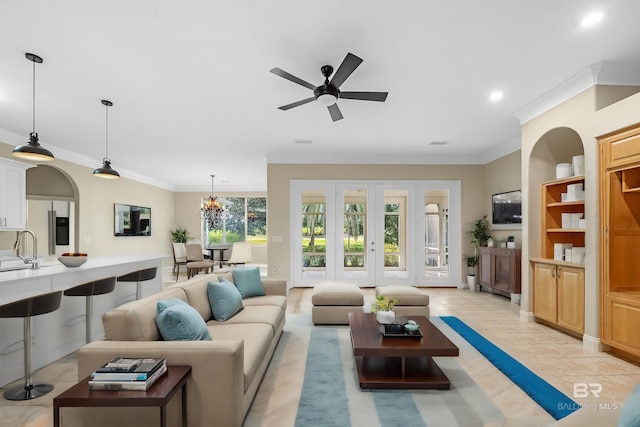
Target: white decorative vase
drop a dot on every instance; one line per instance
(471, 280)
(385, 317)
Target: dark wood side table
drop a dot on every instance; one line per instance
(159, 394)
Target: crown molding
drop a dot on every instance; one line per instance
(69, 156)
(603, 73)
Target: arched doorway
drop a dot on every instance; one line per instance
(53, 209)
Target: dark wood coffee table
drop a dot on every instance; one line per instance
(159, 394)
(399, 362)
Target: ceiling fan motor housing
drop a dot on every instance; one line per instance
(326, 89)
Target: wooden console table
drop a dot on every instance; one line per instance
(159, 394)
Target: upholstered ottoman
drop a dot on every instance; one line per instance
(411, 301)
(332, 302)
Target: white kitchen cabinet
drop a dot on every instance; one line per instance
(13, 194)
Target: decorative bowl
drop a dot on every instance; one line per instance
(411, 327)
(73, 259)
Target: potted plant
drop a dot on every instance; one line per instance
(180, 235)
(383, 308)
(472, 262)
(480, 233)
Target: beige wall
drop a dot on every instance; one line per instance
(96, 213)
(476, 193)
(579, 114)
(500, 176)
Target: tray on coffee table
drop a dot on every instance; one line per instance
(397, 330)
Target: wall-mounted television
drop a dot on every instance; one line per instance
(132, 220)
(507, 208)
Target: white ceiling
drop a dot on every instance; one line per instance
(193, 95)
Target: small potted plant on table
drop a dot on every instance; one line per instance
(383, 308)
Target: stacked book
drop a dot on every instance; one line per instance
(127, 374)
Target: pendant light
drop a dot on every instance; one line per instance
(106, 171)
(32, 150)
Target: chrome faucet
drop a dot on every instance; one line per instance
(33, 260)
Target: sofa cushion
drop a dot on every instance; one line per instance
(225, 300)
(196, 291)
(266, 314)
(256, 338)
(248, 282)
(136, 320)
(630, 414)
(178, 321)
(275, 300)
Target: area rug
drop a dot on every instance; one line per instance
(331, 395)
(556, 403)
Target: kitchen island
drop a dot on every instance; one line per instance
(62, 332)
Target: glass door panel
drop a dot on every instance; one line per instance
(436, 236)
(395, 233)
(356, 262)
(313, 234)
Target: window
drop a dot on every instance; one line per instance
(244, 220)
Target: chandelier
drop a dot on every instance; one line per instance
(212, 209)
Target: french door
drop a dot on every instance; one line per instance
(375, 233)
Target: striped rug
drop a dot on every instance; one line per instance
(331, 395)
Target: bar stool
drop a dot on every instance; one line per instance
(139, 276)
(28, 308)
(88, 290)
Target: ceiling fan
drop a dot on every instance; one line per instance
(329, 92)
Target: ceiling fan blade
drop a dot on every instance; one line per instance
(284, 74)
(348, 66)
(335, 112)
(297, 103)
(365, 96)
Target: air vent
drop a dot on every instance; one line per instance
(438, 142)
(302, 141)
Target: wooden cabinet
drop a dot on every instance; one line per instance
(558, 294)
(620, 239)
(13, 201)
(558, 275)
(499, 270)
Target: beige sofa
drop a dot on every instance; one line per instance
(226, 371)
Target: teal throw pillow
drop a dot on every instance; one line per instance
(225, 299)
(178, 321)
(630, 414)
(248, 282)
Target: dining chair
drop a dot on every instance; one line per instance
(179, 257)
(196, 261)
(240, 254)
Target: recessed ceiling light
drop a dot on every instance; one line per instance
(496, 96)
(438, 142)
(591, 19)
(302, 141)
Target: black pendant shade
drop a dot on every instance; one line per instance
(106, 171)
(32, 150)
